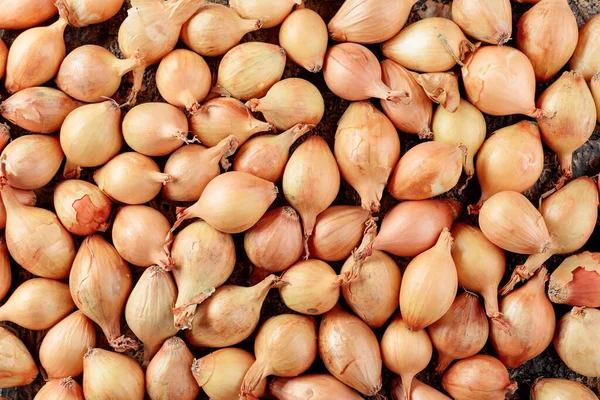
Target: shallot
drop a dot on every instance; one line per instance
(18, 369)
(271, 12)
(320, 387)
(586, 56)
(18, 15)
(575, 340)
(576, 281)
(303, 35)
(489, 21)
(557, 389)
(111, 376)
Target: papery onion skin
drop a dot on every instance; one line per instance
(60, 389)
(87, 12)
(587, 54)
(111, 375)
(273, 12)
(18, 15)
(595, 88)
(25, 197)
(5, 271)
(575, 340)
(442, 88)
(488, 21)
(303, 35)
(559, 389)
(82, 207)
(320, 387)
(576, 281)
(419, 391)
(19, 369)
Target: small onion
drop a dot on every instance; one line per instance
(18, 369)
(489, 21)
(82, 13)
(18, 15)
(586, 58)
(111, 375)
(4, 135)
(559, 389)
(3, 57)
(595, 88)
(5, 271)
(318, 386)
(419, 391)
(25, 197)
(577, 333)
(303, 35)
(576, 281)
(271, 12)
(442, 88)
(60, 389)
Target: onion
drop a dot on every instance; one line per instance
(405, 352)
(415, 117)
(311, 181)
(35, 56)
(193, 167)
(218, 118)
(429, 285)
(250, 69)
(487, 21)
(183, 79)
(500, 80)
(419, 391)
(272, 12)
(366, 149)
(5, 271)
(289, 102)
(352, 72)
(512, 223)
(266, 156)
(369, 22)
(464, 126)
(4, 135)
(87, 12)
(149, 309)
(595, 88)
(62, 350)
(91, 136)
(576, 281)
(285, 346)
(18, 369)
(155, 129)
(60, 389)
(427, 170)
(513, 151)
(91, 73)
(219, 203)
(18, 15)
(478, 377)
(131, 178)
(557, 389)
(199, 268)
(303, 35)
(585, 59)
(36, 239)
(350, 351)
(429, 45)
(275, 242)
(215, 29)
(318, 386)
(574, 118)
(338, 230)
(220, 374)
(169, 373)
(100, 283)
(31, 161)
(111, 375)
(81, 207)
(575, 338)
(3, 57)
(230, 315)
(38, 109)
(442, 88)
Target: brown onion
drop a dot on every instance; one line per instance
(576, 281)
(18, 15)
(488, 21)
(5, 271)
(272, 12)
(575, 339)
(18, 369)
(318, 386)
(303, 35)
(595, 88)
(442, 88)
(559, 389)
(419, 391)
(111, 375)
(87, 12)
(3, 57)
(585, 59)
(4, 135)
(60, 389)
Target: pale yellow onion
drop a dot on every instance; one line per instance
(18, 15)
(25, 197)
(111, 376)
(91, 136)
(35, 56)
(17, 367)
(290, 102)
(464, 126)
(559, 389)
(318, 386)
(485, 20)
(575, 338)
(3, 57)
(427, 170)
(81, 207)
(367, 148)
(572, 120)
(82, 13)
(131, 178)
(62, 350)
(215, 29)
(576, 281)
(155, 129)
(60, 389)
(31, 161)
(199, 269)
(303, 35)
(595, 88)
(183, 79)
(38, 109)
(37, 304)
(419, 391)
(169, 374)
(250, 69)
(369, 22)
(221, 117)
(428, 45)
(415, 117)
(586, 58)
(5, 271)
(272, 12)
(442, 88)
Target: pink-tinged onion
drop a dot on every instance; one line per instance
(3, 57)
(559, 389)
(419, 391)
(25, 197)
(18, 15)
(303, 35)
(595, 88)
(489, 21)
(575, 340)
(111, 376)
(19, 369)
(576, 281)
(82, 207)
(586, 58)
(5, 271)
(318, 386)
(60, 389)
(441, 88)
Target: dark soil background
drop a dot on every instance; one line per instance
(586, 162)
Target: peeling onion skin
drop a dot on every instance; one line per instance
(320, 387)
(82, 13)
(559, 389)
(576, 281)
(18, 15)
(441, 88)
(489, 21)
(19, 369)
(586, 58)
(112, 376)
(576, 339)
(272, 12)
(303, 35)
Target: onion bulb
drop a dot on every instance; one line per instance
(199, 268)
(218, 118)
(442, 88)
(558, 389)
(169, 374)
(215, 29)
(250, 69)
(487, 21)
(427, 170)
(17, 368)
(111, 375)
(25, 197)
(183, 79)
(4, 134)
(37, 304)
(595, 88)
(576, 281)
(319, 386)
(100, 284)
(586, 57)
(5, 271)
(303, 35)
(91, 73)
(477, 378)
(60, 389)
(3, 57)
(35, 56)
(131, 178)
(366, 149)
(65, 344)
(369, 22)
(419, 391)
(230, 315)
(38, 109)
(271, 12)
(18, 15)
(575, 339)
(573, 118)
(350, 351)
(285, 346)
(87, 12)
